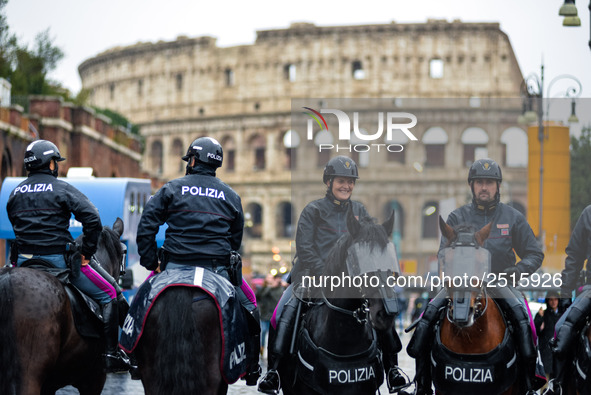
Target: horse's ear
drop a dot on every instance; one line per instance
(389, 224)
(118, 226)
(446, 230)
(352, 223)
(483, 234)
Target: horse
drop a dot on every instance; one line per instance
(42, 350)
(578, 372)
(179, 349)
(336, 345)
(473, 333)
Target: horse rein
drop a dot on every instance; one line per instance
(361, 314)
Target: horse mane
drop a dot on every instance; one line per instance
(109, 241)
(369, 232)
(178, 338)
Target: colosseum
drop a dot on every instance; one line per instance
(460, 80)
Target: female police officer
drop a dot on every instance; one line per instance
(321, 224)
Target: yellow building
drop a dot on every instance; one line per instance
(555, 191)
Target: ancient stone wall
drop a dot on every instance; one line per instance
(242, 96)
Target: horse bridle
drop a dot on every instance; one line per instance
(361, 314)
(477, 312)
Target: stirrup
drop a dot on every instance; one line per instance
(116, 363)
(551, 390)
(253, 376)
(391, 387)
(269, 377)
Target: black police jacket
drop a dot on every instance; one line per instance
(204, 217)
(577, 250)
(510, 231)
(321, 224)
(40, 209)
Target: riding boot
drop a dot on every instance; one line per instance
(573, 323)
(115, 359)
(123, 308)
(421, 343)
(556, 383)
(271, 384)
(515, 313)
(254, 329)
(423, 376)
(422, 338)
(390, 344)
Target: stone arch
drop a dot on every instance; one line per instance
(475, 142)
(253, 220)
(515, 154)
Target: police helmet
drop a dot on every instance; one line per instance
(206, 150)
(485, 168)
(40, 153)
(340, 166)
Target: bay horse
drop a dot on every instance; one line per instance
(42, 350)
(473, 351)
(335, 347)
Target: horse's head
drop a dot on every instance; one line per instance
(110, 252)
(463, 267)
(363, 261)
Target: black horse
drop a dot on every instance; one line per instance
(179, 351)
(337, 349)
(41, 349)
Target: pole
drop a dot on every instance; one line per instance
(590, 24)
(541, 139)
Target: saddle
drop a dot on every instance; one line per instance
(221, 291)
(87, 313)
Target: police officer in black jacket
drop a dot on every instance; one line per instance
(40, 209)
(321, 223)
(510, 232)
(205, 225)
(572, 321)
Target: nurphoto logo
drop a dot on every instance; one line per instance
(388, 123)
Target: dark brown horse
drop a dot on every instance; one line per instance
(578, 373)
(473, 324)
(179, 351)
(41, 350)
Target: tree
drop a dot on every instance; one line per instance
(580, 182)
(27, 69)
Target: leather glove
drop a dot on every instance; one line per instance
(512, 269)
(564, 301)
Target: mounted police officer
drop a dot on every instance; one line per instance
(205, 226)
(510, 233)
(40, 209)
(572, 321)
(321, 223)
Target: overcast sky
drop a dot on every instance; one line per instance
(84, 28)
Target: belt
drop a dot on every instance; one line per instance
(205, 262)
(42, 250)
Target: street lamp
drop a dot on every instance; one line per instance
(534, 88)
(571, 17)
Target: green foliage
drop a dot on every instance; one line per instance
(580, 181)
(119, 120)
(25, 68)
